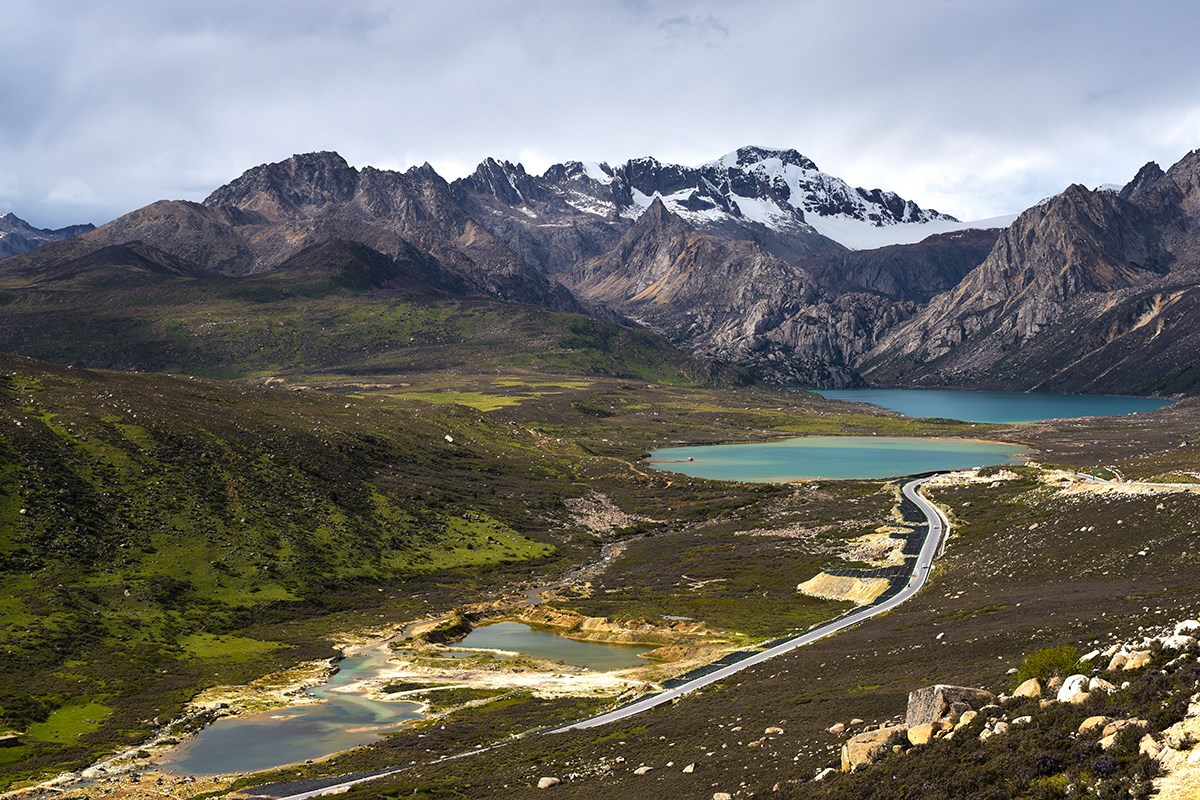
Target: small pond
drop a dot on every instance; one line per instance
(521, 638)
(999, 407)
(253, 742)
(854, 457)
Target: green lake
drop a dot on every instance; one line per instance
(521, 638)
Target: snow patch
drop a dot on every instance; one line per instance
(857, 234)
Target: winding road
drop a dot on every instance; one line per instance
(930, 548)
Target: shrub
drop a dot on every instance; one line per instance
(1051, 662)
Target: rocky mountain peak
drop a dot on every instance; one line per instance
(507, 182)
(17, 236)
(752, 155)
(303, 182)
(1146, 178)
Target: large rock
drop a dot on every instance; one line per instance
(1030, 688)
(1074, 690)
(934, 702)
(923, 733)
(546, 783)
(865, 748)
(1095, 723)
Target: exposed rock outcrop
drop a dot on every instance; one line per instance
(869, 746)
(734, 301)
(942, 701)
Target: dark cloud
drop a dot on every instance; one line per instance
(973, 107)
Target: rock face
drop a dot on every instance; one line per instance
(17, 236)
(732, 300)
(865, 748)
(904, 272)
(934, 703)
(1093, 290)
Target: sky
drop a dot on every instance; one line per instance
(973, 107)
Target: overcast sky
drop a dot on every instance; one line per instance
(973, 107)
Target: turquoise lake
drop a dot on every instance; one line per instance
(1001, 407)
(860, 457)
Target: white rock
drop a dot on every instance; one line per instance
(1074, 689)
(642, 770)
(690, 768)
(546, 783)
(1089, 656)
(1189, 627)
(823, 774)
(1101, 685)
(1178, 642)
(1022, 720)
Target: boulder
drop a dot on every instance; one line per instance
(1126, 661)
(1094, 723)
(690, 768)
(1100, 685)
(1030, 688)
(993, 729)
(966, 719)
(837, 728)
(1189, 627)
(774, 730)
(1118, 725)
(642, 770)
(922, 734)
(934, 702)
(865, 748)
(722, 796)
(546, 783)
(823, 774)
(1114, 729)
(1025, 720)
(1178, 642)
(1149, 746)
(1074, 690)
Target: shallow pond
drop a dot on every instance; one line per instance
(521, 638)
(1001, 407)
(861, 457)
(253, 742)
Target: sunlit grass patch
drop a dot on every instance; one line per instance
(207, 645)
(68, 723)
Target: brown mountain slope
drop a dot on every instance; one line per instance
(1055, 302)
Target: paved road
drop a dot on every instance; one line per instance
(931, 547)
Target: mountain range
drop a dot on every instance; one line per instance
(17, 236)
(757, 258)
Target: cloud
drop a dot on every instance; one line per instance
(970, 107)
(73, 193)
